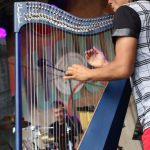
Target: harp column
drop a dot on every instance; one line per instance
(18, 79)
(18, 95)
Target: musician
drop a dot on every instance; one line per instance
(65, 129)
(131, 36)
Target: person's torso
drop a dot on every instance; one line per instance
(63, 134)
(141, 75)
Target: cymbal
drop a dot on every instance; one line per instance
(47, 139)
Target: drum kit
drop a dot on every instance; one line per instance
(33, 136)
(38, 138)
(8, 122)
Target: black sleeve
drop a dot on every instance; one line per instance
(77, 125)
(52, 128)
(126, 23)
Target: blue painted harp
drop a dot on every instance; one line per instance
(54, 114)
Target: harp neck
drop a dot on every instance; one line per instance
(36, 12)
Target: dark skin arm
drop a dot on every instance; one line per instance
(120, 68)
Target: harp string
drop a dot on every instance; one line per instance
(36, 76)
(56, 56)
(75, 49)
(64, 86)
(46, 91)
(27, 76)
(30, 75)
(46, 86)
(82, 48)
(90, 102)
(33, 74)
(41, 83)
(30, 79)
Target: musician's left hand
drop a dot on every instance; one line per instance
(77, 72)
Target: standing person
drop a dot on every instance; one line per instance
(131, 37)
(65, 129)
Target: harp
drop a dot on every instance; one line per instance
(48, 40)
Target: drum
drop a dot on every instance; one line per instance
(31, 138)
(27, 145)
(37, 137)
(46, 142)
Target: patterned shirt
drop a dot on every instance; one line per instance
(133, 20)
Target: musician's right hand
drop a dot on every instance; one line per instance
(95, 57)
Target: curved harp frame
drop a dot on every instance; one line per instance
(37, 12)
(30, 12)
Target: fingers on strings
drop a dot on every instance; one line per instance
(91, 52)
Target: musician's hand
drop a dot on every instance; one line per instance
(95, 57)
(77, 72)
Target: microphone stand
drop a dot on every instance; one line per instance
(42, 62)
(70, 145)
(72, 100)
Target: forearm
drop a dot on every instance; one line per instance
(109, 72)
